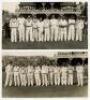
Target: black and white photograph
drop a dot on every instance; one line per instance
(44, 74)
(45, 25)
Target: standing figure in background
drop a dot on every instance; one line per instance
(71, 30)
(30, 75)
(37, 76)
(16, 75)
(64, 75)
(79, 28)
(35, 28)
(54, 28)
(28, 24)
(44, 72)
(46, 29)
(51, 73)
(23, 76)
(63, 28)
(40, 30)
(13, 26)
(70, 74)
(9, 74)
(80, 76)
(21, 28)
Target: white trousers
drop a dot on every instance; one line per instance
(23, 79)
(21, 34)
(79, 34)
(47, 34)
(57, 78)
(51, 78)
(63, 34)
(40, 34)
(29, 34)
(35, 34)
(71, 33)
(54, 33)
(44, 79)
(13, 34)
(64, 79)
(70, 79)
(80, 79)
(37, 79)
(16, 79)
(9, 79)
(30, 79)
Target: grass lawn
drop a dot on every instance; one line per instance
(46, 45)
(49, 91)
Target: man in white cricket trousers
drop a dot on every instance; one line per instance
(16, 75)
(80, 76)
(54, 28)
(59, 30)
(44, 72)
(46, 75)
(70, 74)
(40, 30)
(51, 73)
(13, 26)
(59, 75)
(63, 28)
(23, 76)
(9, 74)
(55, 75)
(64, 75)
(29, 29)
(79, 28)
(47, 29)
(35, 28)
(21, 28)
(71, 30)
(37, 76)
(30, 75)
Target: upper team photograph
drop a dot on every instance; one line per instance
(44, 25)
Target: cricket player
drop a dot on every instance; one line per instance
(57, 75)
(63, 28)
(9, 74)
(59, 30)
(30, 75)
(70, 74)
(54, 28)
(37, 75)
(13, 26)
(16, 75)
(51, 74)
(80, 72)
(71, 30)
(79, 28)
(29, 29)
(35, 28)
(21, 28)
(44, 72)
(40, 29)
(22, 72)
(64, 75)
(47, 29)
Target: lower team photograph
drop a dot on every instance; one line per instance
(45, 74)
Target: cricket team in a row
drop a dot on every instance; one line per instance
(42, 30)
(43, 76)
